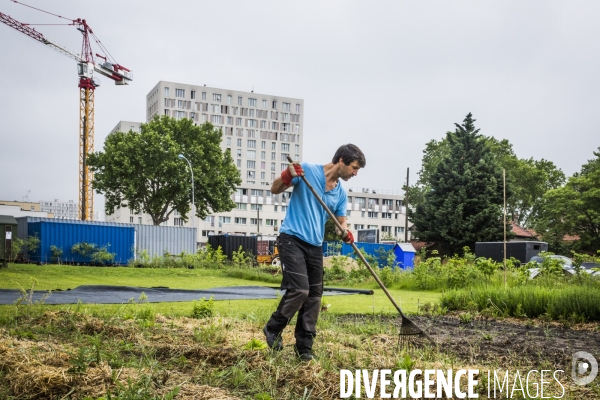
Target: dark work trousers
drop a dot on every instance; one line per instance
(302, 267)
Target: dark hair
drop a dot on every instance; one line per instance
(349, 153)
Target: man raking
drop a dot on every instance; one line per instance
(300, 240)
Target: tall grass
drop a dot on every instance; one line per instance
(575, 302)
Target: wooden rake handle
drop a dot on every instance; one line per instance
(356, 250)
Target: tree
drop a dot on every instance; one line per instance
(574, 209)
(464, 204)
(527, 179)
(142, 171)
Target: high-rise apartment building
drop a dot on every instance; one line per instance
(260, 130)
(61, 209)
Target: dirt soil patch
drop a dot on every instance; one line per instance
(507, 343)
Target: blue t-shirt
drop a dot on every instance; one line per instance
(305, 216)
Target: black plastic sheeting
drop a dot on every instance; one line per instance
(100, 294)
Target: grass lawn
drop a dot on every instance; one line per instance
(50, 277)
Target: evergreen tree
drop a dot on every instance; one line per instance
(464, 204)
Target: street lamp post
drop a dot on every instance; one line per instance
(193, 204)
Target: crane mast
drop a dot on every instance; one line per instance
(86, 66)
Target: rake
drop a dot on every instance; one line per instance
(408, 329)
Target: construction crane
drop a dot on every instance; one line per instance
(86, 66)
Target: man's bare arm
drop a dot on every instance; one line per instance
(342, 221)
(278, 186)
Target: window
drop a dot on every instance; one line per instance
(252, 123)
(238, 121)
(178, 222)
(229, 120)
(272, 166)
(274, 104)
(272, 176)
(251, 154)
(273, 146)
(387, 202)
(193, 94)
(275, 208)
(179, 93)
(254, 220)
(204, 117)
(251, 102)
(283, 209)
(139, 220)
(251, 175)
(215, 119)
(263, 144)
(216, 97)
(284, 157)
(256, 192)
(131, 220)
(285, 127)
(228, 141)
(297, 148)
(263, 174)
(399, 229)
(386, 215)
(251, 164)
(373, 202)
(240, 221)
(284, 166)
(251, 113)
(285, 147)
(264, 104)
(242, 192)
(263, 124)
(251, 144)
(166, 92)
(251, 133)
(358, 226)
(263, 155)
(274, 125)
(240, 206)
(286, 106)
(256, 207)
(239, 142)
(372, 214)
(203, 95)
(297, 128)
(273, 156)
(372, 227)
(386, 229)
(179, 114)
(229, 99)
(240, 101)
(298, 108)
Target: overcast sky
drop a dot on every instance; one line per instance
(386, 75)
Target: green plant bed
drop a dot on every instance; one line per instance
(575, 302)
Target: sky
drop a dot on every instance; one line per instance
(388, 76)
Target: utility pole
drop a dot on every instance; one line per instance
(406, 206)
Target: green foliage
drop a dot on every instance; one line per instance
(573, 209)
(203, 309)
(97, 255)
(464, 204)
(16, 247)
(582, 301)
(487, 267)
(240, 259)
(142, 171)
(527, 179)
(56, 253)
(255, 344)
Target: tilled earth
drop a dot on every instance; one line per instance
(505, 343)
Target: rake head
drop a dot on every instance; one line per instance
(409, 332)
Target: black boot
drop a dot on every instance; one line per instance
(274, 340)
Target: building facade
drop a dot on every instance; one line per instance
(61, 209)
(260, 131)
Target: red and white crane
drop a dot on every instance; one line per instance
(86, 67)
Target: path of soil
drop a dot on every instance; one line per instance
(509, 343)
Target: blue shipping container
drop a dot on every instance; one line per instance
(118, 239)
(377, 250)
